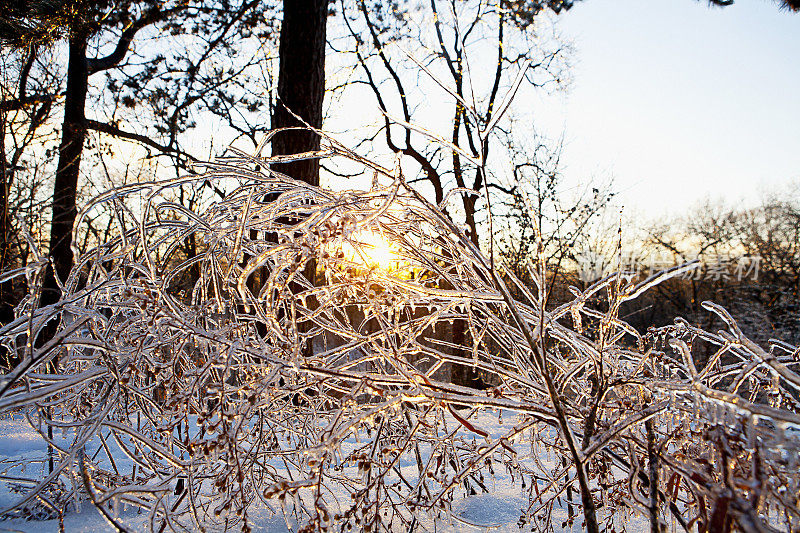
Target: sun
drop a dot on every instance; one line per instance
(371, 249)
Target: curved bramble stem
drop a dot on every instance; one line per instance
(211, 389)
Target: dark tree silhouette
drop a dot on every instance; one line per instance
(65, 190)
(27, 22)
(792, 5)
(172, 82)
(301, 84)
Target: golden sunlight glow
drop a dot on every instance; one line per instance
(371, 249)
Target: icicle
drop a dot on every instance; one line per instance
(75, 492)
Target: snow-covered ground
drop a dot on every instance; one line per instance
(498, 510)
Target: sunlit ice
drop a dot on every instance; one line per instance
(370, 248)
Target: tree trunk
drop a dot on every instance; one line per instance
(469, 217)
(65, 192)
(301, 91)
(6, 289)
(464, 375)
(301, 84)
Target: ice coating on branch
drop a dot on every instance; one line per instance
(288, 347)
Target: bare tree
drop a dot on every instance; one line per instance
(542, 216)
(174, 81)
(445, 58)
(749, 261)
(23, 134)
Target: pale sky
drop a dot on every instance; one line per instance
(678, 101)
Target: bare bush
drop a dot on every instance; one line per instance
(322, 399)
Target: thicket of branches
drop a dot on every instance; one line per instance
(323, 400)
(227, 344)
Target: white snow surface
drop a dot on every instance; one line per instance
(497, 510)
